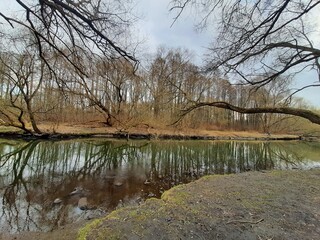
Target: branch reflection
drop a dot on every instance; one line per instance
(42, 182)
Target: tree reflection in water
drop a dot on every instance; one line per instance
(33, 174)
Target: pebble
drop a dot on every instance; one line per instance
(118, 183)
(147, 182)
(77, 190)
(57, 201)
(83, 203)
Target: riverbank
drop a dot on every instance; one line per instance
(251, 205)
(84, 131)
(256, 205)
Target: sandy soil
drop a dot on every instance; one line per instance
(254, 205)
(96, 129)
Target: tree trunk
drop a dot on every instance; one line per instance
(311, 116)
(32, 118)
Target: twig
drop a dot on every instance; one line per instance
(245, 221)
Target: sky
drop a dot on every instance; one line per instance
(156, 25)
(155, 29)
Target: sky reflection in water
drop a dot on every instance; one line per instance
(111, 173)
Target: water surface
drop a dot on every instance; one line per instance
(112, 173)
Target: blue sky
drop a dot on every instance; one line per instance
(155, 28)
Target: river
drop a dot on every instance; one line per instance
(41, 182)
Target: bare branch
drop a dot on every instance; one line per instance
(311, 116)
(63, 26)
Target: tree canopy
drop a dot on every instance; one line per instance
(79, 57)
(69, 28)
(258, 41)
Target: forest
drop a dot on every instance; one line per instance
(62, 67)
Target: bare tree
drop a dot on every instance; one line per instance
(169, 80)
(259, 37)
(23, 73)
(64, 27)
(65, 30)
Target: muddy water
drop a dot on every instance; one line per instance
(42, 183)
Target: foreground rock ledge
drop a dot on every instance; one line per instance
(253, 205)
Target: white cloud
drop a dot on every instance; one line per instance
(314, 21)
(157, 27)
(311, 95)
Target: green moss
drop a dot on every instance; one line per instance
(211, 177)
(208, 177)
(206, 199)
(108, 233)
(176, 195)
(83, 232)
(138, 215)
(277, 173)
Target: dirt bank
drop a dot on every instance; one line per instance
(95, 130)
(257, 205)
(253, 205)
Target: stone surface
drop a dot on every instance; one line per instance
(57, 201)
(83, 203)
(77, 190)
(118, 183)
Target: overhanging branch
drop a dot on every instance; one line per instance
(307, 114)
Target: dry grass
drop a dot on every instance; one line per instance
(100, 128)
(96, 128)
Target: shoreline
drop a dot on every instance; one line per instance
(65, 131)
(269, 204)
(153, 136)
(246, 195)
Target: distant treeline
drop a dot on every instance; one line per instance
(114, 92)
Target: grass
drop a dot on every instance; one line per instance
(252, 204)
